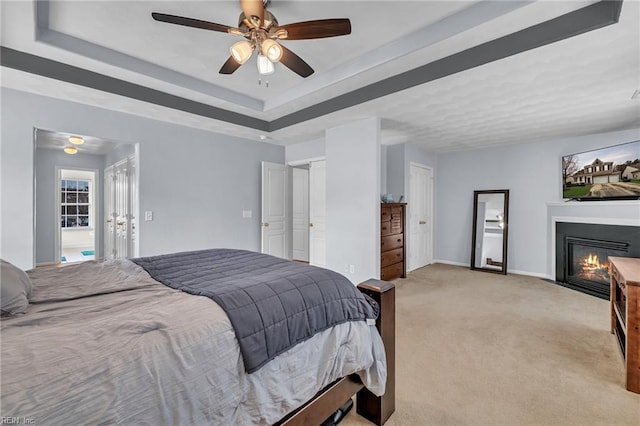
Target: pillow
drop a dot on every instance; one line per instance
(15, 289)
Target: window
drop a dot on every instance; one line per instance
(75, 197)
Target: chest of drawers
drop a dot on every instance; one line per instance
(392, 242)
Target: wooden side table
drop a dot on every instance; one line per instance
(625, 314)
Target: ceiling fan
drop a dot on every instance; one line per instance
(262, 32)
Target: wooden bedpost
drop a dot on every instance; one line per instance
(377, 409)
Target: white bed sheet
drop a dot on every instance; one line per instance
(153, 355)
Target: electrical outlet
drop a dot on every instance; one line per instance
(352, 269)
(247, 214)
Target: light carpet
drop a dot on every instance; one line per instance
(475, 348)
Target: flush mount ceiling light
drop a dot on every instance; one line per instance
(71, 150)
(76, 140)
(262, 32)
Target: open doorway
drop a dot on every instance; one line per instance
(77, 214)
(70, 196)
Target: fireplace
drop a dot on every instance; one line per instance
(583, 251)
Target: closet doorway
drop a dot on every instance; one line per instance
(308, 200)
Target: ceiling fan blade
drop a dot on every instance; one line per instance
(295, 63)
(230, 66)
(254, 11)
(321, 28)
(189, 22)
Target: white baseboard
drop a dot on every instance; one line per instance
(530, 274)
(449, 262)
(510, 271)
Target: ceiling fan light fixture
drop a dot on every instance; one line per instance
(265, 66)
(241, 51)
(76, 140)
(272, 50)
(71, 150)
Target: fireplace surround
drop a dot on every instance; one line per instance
(582, 251)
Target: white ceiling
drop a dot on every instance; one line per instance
(577, 86)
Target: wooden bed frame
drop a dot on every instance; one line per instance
(376, 409)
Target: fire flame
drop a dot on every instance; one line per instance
(592, 262)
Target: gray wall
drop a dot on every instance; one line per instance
(46, 189)
(395, 170)
(196, 182)
(532, 174)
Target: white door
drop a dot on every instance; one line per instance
(120, 202)
(300, 214)
(317, 213)
(109, 213)
(274, 209)
(133, 198)
(420, 216)
(122, 208)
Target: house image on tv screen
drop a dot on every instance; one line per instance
(612, 172)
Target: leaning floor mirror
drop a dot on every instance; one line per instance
(490, 229)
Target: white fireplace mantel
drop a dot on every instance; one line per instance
(587, 204)
(622, 212)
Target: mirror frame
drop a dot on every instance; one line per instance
(503, 269)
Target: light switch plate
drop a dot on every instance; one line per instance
(148, 215)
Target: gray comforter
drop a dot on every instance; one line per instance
(273, 304)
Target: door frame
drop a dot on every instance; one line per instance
(95, 201)
(431, 215)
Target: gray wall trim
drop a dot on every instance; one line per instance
(580, 21)
(57, 70)
(571, 24)
(112, 57)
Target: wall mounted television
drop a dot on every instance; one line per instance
(611, 173)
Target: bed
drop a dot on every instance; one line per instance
(102, 342)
